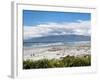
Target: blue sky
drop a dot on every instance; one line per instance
(31, 17)
(46, 23)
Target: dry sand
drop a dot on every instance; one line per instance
(56, 52)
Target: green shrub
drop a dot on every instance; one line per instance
(68, 61)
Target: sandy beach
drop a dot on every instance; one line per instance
(56, 52)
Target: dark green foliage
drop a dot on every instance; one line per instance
(72, 61)
(68, 61)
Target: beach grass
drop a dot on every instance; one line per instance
(67, 61)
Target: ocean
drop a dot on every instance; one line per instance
(68, 40)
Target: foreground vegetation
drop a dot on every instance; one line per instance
(68, 61)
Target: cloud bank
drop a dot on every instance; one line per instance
(77, 28)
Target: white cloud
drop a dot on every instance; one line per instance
(78, 28)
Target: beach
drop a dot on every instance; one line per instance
(56, 51)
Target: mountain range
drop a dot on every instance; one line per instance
(58, 38)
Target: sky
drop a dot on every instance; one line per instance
(45, 23)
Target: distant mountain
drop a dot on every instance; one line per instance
(59, 38)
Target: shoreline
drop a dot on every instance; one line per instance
(56, 52)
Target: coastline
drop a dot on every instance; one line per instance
(56, 52)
